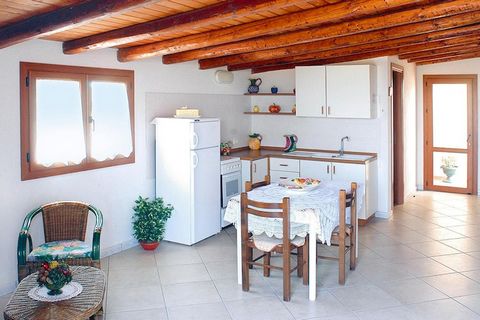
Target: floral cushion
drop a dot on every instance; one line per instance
(65, 249)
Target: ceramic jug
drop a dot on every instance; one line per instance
(255, 141)
(254, 86)
(290, 142)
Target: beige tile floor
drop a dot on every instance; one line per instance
(423, 263)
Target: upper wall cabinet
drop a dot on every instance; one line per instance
(311, 98)
(340, 91)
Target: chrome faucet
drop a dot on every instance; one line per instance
(342, 142)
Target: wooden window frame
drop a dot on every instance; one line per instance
(31, 171)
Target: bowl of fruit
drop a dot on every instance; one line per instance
(302, 184)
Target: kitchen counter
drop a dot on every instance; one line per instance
(303, 154)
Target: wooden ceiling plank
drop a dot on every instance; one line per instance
(342, 11)
(63, 18)
(393, 48)
(429, 30)
(450, 59)
(402, 18)
(180, 22)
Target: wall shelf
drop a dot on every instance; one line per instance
(270, 94)
(271, 113)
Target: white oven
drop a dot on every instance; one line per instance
(231, 182)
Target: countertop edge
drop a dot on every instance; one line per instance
(245, 153)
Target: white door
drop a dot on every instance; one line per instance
(205, 134)
(350, 172)
(259, 170)
(349, 91)
(310, 91)
(316, 169)
(206, 193)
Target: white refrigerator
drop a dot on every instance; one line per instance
(188, 176)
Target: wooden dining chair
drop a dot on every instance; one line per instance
(267, 245)
(344, 235)
(249, 186)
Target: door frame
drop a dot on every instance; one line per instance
(398, 139)
(427, 126)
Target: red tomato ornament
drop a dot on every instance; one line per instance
(274, 108)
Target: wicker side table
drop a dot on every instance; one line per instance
(83, 306)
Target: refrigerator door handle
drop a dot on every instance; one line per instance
(194, 159)
(194, 140)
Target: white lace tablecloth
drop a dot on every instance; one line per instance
(315, 210)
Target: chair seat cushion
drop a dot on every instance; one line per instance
(65, 249)
(266, 243)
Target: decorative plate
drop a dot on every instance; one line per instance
(69, 291)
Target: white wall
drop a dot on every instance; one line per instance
(114, 189)
(471, 66)
(410, 124)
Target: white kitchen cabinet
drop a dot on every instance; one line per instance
(284, 169)
(315, 169)
(254, 171)
(310, 91)
(339, 91)
(350, 91)
(348, 172)
(364, 174)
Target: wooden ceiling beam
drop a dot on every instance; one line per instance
(342, 11)
(375, 49)
(346, 58)
(450, 59)
(405, 35)
(466, 50)
(64, 18)
(185, 21)
(397, 19)
(356, 57)
(467, 45)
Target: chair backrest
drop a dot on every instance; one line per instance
(65, 221)
(275, 210)
(348, 200)
(249, 186)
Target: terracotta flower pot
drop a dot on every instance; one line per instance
(149, 245)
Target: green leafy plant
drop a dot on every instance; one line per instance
(149, 219)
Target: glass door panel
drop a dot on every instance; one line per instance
(450, 169)
(450, 115)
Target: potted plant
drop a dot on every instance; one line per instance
(149, 219)
(449, 167)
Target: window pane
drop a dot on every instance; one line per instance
(59, 123)
(111, 134)
(450, 115)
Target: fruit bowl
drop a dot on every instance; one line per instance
(300, 183)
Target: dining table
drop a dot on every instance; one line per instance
(313, 211)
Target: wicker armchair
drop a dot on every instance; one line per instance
(62, 221)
